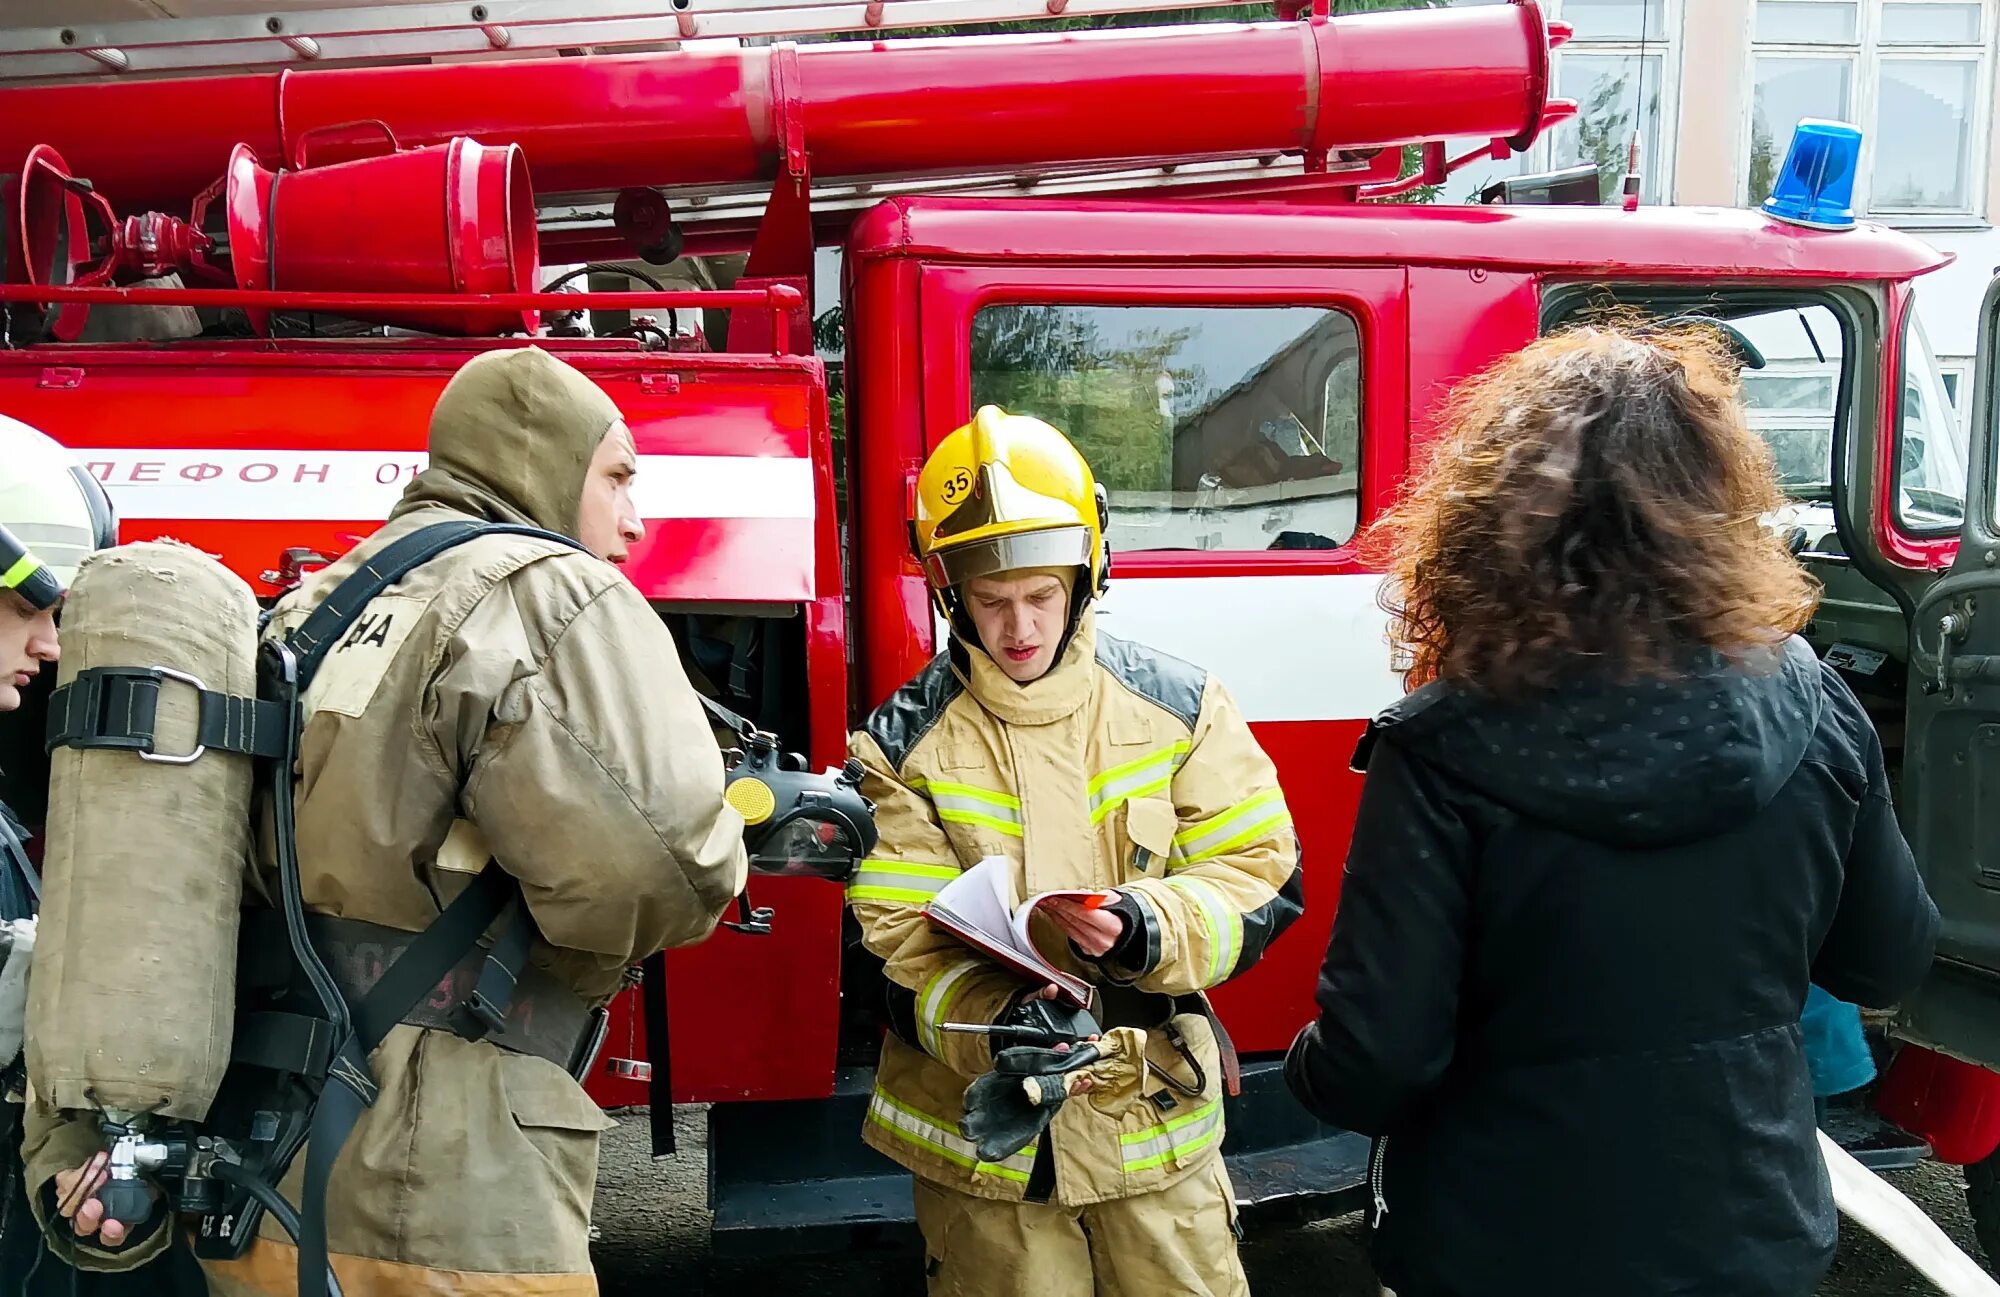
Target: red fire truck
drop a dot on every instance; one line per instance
(240, 256)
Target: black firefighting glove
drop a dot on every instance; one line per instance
(1008, 1107)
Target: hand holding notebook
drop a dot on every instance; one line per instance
(980, 908)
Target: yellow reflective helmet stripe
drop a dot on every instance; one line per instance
(24, 567)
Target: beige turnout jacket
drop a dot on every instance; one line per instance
(513, 697)
(1120, 768)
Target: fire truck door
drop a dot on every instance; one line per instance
(1951, 781)
(1247, 423)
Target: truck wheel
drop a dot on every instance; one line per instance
(1982, 1199)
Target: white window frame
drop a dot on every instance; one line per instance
(1657, 173)
(1865, 55)
(1961, 391)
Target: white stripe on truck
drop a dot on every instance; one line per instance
(363, 485)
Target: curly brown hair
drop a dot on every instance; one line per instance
(1592, 507)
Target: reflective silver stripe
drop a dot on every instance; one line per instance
(927, 1132)
(935, 1003)
(1181, 1137)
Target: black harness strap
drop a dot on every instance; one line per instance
(351, 1084)
(118, 707)
(660, 1082)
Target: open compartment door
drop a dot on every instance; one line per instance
(1951, 778)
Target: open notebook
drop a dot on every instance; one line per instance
(980, 908)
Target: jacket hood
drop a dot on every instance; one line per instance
(1058, 692)
(1654, 763)
(511, 440)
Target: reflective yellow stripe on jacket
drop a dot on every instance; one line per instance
(1224, 923)
(903, 881)
(1248, 821)
(964, 804)
(1179, 1138)
(931, 1134)
(934, 1004)
(1139, 778)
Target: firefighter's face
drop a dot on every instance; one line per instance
(607, 522)
(1020, 619)
(27, 640)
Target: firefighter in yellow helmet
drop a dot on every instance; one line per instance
(1086, 762)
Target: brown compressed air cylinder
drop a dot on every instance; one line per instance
(131, 1001)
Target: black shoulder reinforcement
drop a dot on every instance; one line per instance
(901, 722)
(1169, 683)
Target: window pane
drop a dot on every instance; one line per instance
(1923, 135)
(1787, 90)
(1764, 390)
(1931, 442)
(1790, 402)
(1616, 20)
(1805, 21)
(1930, 24)
(1215, 428)
(1607, 88)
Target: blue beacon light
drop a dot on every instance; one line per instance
(1815, 186)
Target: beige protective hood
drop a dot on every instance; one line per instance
(511, 440)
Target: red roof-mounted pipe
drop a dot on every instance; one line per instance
(940, 106)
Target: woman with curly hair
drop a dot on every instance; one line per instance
(1622, 819)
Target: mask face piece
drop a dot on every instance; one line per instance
(797, 823)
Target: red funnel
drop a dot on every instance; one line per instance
(457, 217)
(43, 238)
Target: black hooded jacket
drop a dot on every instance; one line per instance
(1566, 974)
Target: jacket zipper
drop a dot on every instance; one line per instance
(1376, 1158)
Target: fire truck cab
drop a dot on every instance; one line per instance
(1181, 248)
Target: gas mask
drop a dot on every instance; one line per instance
(795, 823)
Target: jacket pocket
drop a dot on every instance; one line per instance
(1150, 824)
(1179, 1122)
(559, 1122)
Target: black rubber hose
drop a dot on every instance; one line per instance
(274, 1202)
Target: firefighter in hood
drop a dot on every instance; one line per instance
(515, 700)
(1086, 762)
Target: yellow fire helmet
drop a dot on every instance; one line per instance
(1003, 493)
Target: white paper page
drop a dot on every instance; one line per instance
(982, 898)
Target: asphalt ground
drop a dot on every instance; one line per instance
(652, 1219)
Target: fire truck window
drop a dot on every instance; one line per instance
(1212, 428)
(1791, 402)
(1930, 442)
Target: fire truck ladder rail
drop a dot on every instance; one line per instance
(781, 300)
(418, 31)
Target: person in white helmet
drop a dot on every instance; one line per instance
(53, 514)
